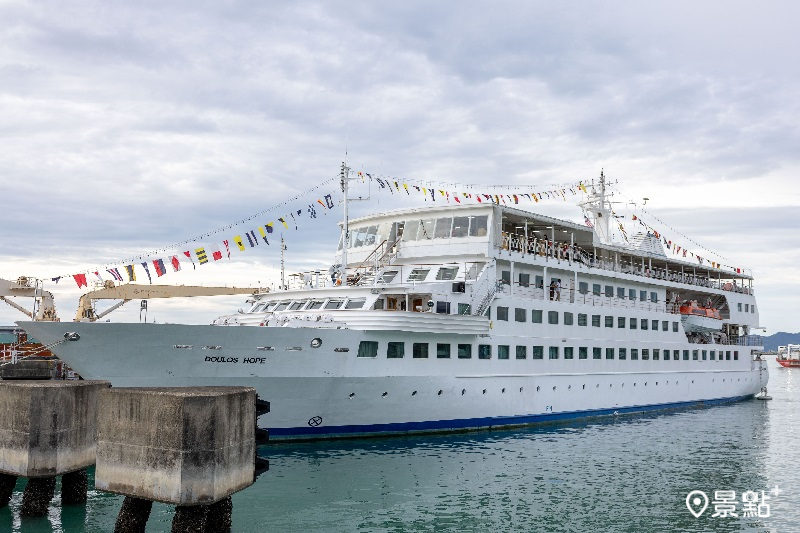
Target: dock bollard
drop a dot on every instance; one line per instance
(47, 429)
(188, 446)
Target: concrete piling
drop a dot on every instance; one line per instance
(74, 487)
(37, 496)
(218, 516)
(7, 484)
(133, 515)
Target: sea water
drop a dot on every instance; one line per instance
(624, 473)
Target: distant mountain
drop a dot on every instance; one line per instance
(781, 338)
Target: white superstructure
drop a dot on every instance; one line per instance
(449, 318)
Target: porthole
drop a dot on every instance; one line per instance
(352, 395)
(316, 342)
(484, 391)
(414, 393)
(463, 392)
(503, 391)
(384, 395)
(645, 383)
(439, 393)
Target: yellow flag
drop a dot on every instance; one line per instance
(238, 240)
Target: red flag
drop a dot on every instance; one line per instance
(176, 265)
(80, 279)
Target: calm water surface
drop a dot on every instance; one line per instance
(627, 473)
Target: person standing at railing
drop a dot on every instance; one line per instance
(558, 290)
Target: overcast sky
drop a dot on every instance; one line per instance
(129, 126)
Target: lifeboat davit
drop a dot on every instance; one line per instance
(699, 319)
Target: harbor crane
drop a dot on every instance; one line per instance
(44, 308)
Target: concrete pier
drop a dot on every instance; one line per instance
(47, 428)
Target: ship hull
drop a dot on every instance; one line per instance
(328, 391)
(789, 363)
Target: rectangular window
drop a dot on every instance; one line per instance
(505, 277)
(484, 351)
(536, 316)
(539, 282)
(522, 352)
(609, 291)
(654, 297)
(623, 353)
(609, 321)
(519, 314)
(746, 308)
(465, 351)
(443, 308)
(332, 304)
(419, 350)
(357, 303)
(503, 351)
(537, 352)
(643, 295)
(552, 317)
(568, 352)
(442, 351)
(554, 352)
(753, 308)
(704, 354)
(502, 313)
(524, 280)
(676, 354)
(665, 325)
(418, 274)
(583, 287)
(609, 353)
(395, 350)
(686, 355)
(634, 354)
(644, 324)
(654, 325)
(464, 309)
(621, 293)
(567, 318)
(597, 353)
(478, 226)
(583, 352)
(736, 355)
(368, 349)
(713, 354)
(596, 321)
(656, 354)
(631, 294)
(739, 307)
(581, 319)
(666, 355)
(596, 289)
(621, 322)
(645, 354)
(728, 355)
(633, 322)
(460, 226)
(675, 327)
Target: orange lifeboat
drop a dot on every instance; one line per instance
(699, 319)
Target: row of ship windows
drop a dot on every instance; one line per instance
(583, 287)
(421, 350)
(352, 395)
(537, 315)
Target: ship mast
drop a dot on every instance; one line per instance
(344, 179)
(600, 209)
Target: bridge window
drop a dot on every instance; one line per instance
(460, 226)
(356, 303)
(418, 274)
(333, 304)
(410, 230)
(443, 227)
(478, 226)
(447, 273)
(426, 229)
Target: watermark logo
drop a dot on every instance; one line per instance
(697, 502)
(726, 505)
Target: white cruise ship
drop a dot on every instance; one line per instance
(451, 318)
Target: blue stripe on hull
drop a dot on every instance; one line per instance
(306, 433)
